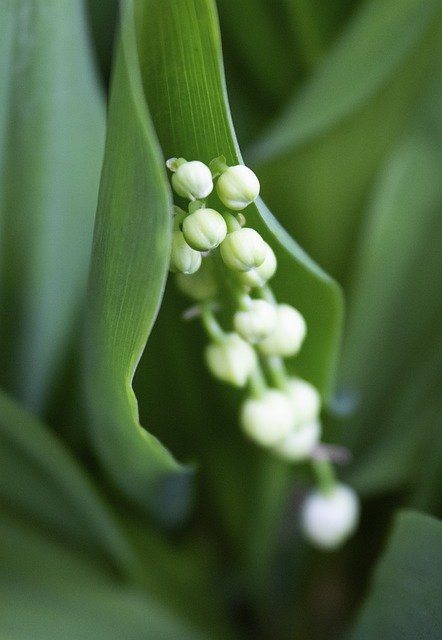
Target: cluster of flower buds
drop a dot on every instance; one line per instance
(218, 258)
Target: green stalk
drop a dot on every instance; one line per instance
(325, 475)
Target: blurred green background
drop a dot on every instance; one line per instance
(105, 532)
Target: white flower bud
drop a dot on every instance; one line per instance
(327, 520)
(193, 180)
(243, 249)
(268, 419)
(182, 257)
(199, 286)
(305, 399)
(258, 276)
(257, 322)
(300, 443)
(237, 187)
(289, 334)
(232, 360)
(204, 229)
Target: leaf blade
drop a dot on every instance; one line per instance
(403, 601)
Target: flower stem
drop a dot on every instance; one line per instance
(211, 324)
(325, 475)
(257, 383)
(277, 371)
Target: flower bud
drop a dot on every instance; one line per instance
(268, 419)
(232, 360)
(305, 399)
(243, 249)
(327, 520)
(237, 187)
(257, 322)
(199, 286)
(204, 229)
(289, 334)
(193, 180)
(300, 443)
(183, 258)
(258, 276)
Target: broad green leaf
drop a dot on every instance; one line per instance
(46, 593)
(180, 59)
(177, 59)
(187, 99)
(317, 183)
(42, 483)
(129, 265)
(404, 599)
(51, 145)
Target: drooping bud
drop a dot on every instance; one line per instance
(300, 443)
(199, 286)
(237, 187)
(191, 180)
(289, 334)
(231, 360)
(327, 520)
(258, 276)
(268, 419)
(204, 229)
(305, 398)
(182, 257)
(257, 322)
(243, 249)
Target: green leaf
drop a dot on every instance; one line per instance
(181, 67)
(404, 600)
(51, 149)
(129, 265)
(42, 483)
(379, 40)
(201, 128)
(176, 55)
(47, 592)
(62, 549)
(318, 163)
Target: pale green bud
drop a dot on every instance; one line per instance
(289, 334)
(204, 229)
(300, 443)
(193, 180)
(257, 322)
(182, 257)
(305, 399)
(243, 249)
(268, 419)
(231, 360)
(258, 276)
(199, 286)
(237, 187)
(327, 520)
